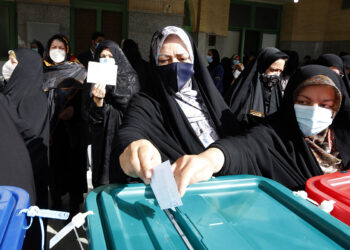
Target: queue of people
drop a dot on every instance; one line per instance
(275, 120)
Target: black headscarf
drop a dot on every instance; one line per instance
(131, 51)
(55, 74)
(15, 168)
(23, 94)
(127, 79)
(246, 96)
(277, 149)
(105, 121)
(216, 60)
(228, 76)
(292, 63)
(156, 116)
(27, 104)
(329, 60)
(40, 47)
(346, 61)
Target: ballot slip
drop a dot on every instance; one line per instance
(164, 187)
(102, 73)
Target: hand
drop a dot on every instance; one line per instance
(139, 159)
(67, 113)
(191, 169)
(99, 92)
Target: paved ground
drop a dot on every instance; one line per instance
(70, 241)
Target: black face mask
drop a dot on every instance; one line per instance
(270, 81)
(175, 75)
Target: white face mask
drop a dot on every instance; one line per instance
(312, 119)
(107, 60)
(8, 69)
(57, 55)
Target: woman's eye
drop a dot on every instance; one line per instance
(162, 61)
(325, 106)
(302, 102)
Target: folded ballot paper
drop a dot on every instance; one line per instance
(164, 187)
(102, 73)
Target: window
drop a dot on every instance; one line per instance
(7, 28)
(240, 15)
(346, 4)
(266, 18)
(88, 16)
(255, 26)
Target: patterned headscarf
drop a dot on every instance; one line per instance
(159, 38)
(322, 145)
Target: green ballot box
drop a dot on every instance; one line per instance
(231, 212)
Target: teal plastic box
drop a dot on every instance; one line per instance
(231, 212)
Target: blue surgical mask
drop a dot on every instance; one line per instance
(209, 59)
(235, 62)
(35, 49)
(312, 119)
(107, 60)
(176, 75)
(96, 45)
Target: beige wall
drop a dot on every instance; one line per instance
(315, 20)
(157, 6)
(213, 16)
(338, 20)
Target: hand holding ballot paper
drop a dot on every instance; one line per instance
(101, 74)
(141, 157)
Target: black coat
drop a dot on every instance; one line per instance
(26, 103)
(277, 149)
(85, 58)
(15, 168)
(105, 121)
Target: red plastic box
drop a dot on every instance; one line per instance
(335, 186)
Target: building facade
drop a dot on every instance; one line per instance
(310, 27)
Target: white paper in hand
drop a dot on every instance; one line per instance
(164, 187)
(102, 73)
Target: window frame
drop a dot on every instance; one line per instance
(252, 27)
(12, 25)
(99, 7)
(187, 9)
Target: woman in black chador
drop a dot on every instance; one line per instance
(182, 114)
(105, 111)
(26, 103)
(68, 132)
(257, 92)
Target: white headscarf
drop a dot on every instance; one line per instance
(159, 38)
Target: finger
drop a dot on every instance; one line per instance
(129, 162)
(145, 156)
(183, 179)
(174, 166)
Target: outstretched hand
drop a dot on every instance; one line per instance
(139, 159)
(191, 169)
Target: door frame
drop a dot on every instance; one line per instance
(99, 7)
(12, 25)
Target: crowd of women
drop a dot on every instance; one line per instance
(275, 120)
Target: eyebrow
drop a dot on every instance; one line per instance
(327, 100)
(180, 54)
